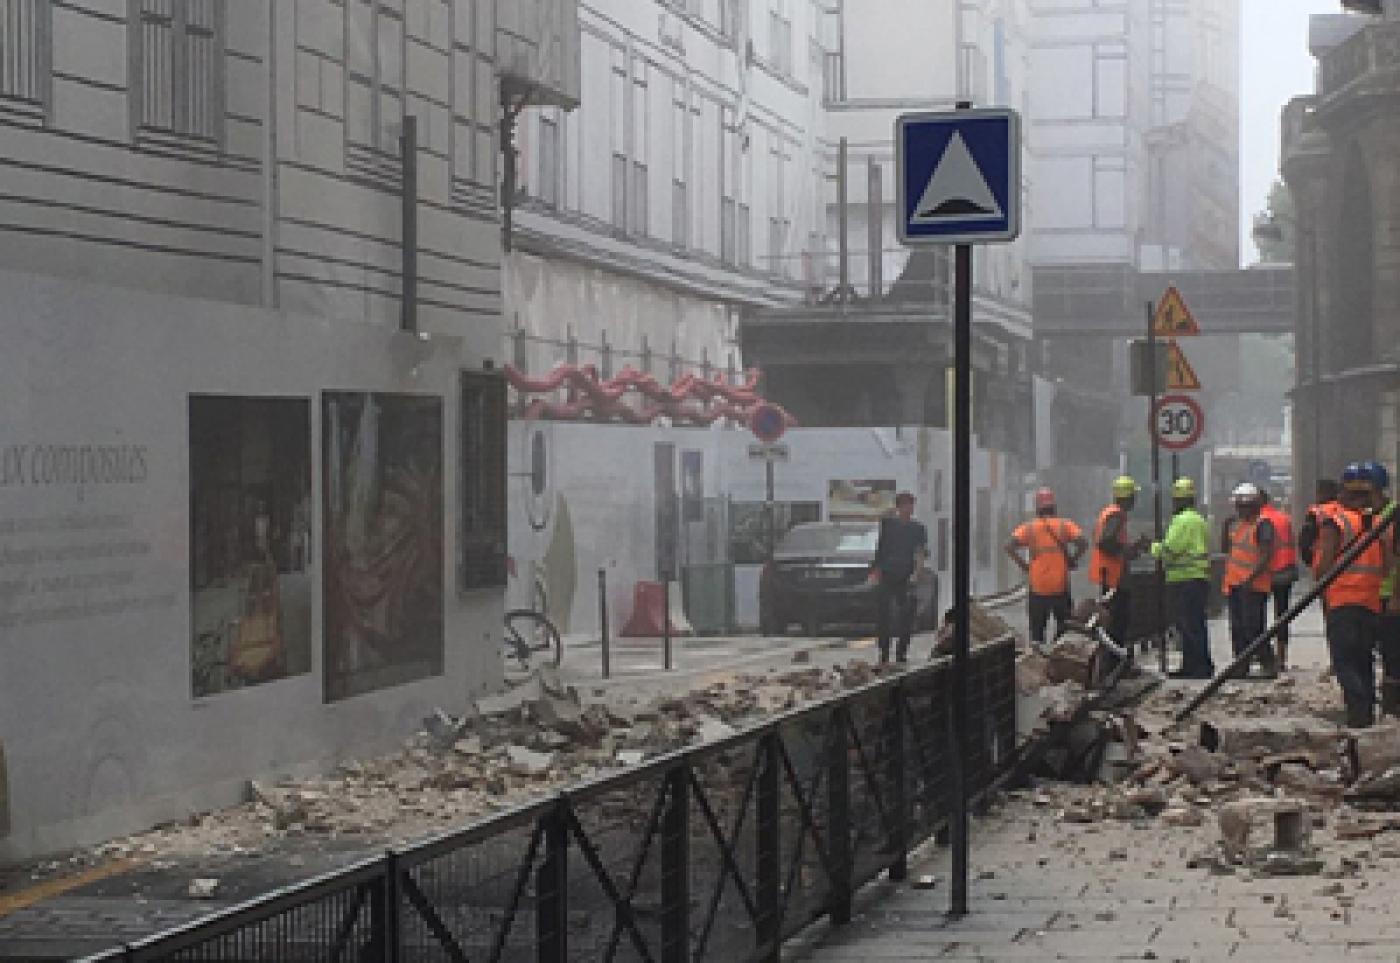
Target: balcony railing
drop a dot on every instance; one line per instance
(1372, 50)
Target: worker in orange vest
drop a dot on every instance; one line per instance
(1283, 569)
(1248, 540)
(1053, 547)
(1114, 548)
(1353, 600)
(1325, 501)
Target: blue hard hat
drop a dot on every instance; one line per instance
(1357, 471)
(1379, 475)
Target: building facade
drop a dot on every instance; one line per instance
(1339, 150)
(686, 184)
(253, 483)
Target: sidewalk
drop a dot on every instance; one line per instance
(1046, 888)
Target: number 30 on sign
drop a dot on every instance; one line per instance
(1178, 422)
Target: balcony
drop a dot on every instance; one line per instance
(1366, 64)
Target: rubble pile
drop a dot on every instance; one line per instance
(507, 749)
(1265, 784)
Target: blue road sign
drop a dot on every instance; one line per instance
(959, 176)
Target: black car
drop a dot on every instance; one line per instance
(820, 576)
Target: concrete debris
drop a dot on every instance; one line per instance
(1072, 659)
(1371, 752)
(528, 762)
(203, 888)
(1183, 816)
(1258, 738)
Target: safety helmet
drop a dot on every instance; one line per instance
(1358, 476)
(1245, 492)
(1124, 487)
(1380, 476)
(1044, 498)
(1184, 488)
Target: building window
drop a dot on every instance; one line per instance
(833, 66)
(728, 232)
(25, 46)
(730, 12)
(374, 74)
(481, 554)
(744, 237)
(619, 192)
(176, 63)
(680, 214)
(780, 38)
(637, 207)
(549, 161)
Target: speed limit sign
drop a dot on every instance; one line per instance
(1178, 421)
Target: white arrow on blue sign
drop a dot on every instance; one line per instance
(959, 176)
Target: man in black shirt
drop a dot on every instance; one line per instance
(899, 559)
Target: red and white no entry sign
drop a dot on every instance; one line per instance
(1178, 422)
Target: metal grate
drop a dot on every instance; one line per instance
(715, 853)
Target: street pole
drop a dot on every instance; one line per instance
(770, 521)
(666, 619)
(1161, 572)
(962, 563)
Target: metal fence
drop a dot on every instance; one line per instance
(720, 852)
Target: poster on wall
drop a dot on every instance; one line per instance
(250, 541)
(383, 543)
(859, 500)
(748, 532)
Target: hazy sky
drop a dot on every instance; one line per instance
(1277, 67)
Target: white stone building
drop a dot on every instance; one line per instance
(1135, 117)
(251, 502)
(687, 183)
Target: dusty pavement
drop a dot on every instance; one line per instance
(1139, 871)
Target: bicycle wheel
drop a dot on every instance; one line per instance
(531, 634)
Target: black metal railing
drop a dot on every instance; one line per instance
(718, 852)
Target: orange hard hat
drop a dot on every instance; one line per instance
(1044, 498)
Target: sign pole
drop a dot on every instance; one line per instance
(958, 181)
(769, 514)
(1160, 570)
(962, 563)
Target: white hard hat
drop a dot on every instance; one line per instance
(1245, 492)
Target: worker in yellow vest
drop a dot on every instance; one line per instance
(1248, 542)
(1185, 555)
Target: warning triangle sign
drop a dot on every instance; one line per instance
(1173, 318)
(1180, 375)
(957, 190)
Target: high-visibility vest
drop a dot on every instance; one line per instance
(1285, 545)
(1185, 552)
(1244, 558)
(1046, 541)
(1388, 583)
(1104, 569)
(1361, 583)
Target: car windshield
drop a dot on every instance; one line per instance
(829, 539)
